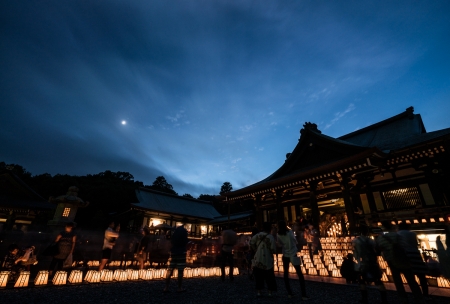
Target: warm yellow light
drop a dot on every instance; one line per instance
(4, 278)
(75, 277)
(120, 275)
(23, 279)
(66, 212)
(416, 222)
(432, 220)
(41, 278)
(60, 278)
(408, 222)
(424, 220)
(106, 275)
(92, 276)
(441, 219)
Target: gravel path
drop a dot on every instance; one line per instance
(206, 290)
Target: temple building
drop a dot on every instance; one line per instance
(392, 170)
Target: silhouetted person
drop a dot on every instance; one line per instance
(367, 264)
(66, 241)
(347, 270)
(179, 242)
(286, 240)
(229, 239)
(264, 247)
(392, 246)
(109, 241)
(418, 266)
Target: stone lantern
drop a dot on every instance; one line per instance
(67, 207)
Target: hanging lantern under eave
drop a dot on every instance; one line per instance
(120, 275)
(22, 280)
(92, 276)
(75, 277)
(106, 275)
(41, 278)
(60, 278)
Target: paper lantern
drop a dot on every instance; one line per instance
(92, 276)
(106, 275)
(443, 282)
(120, 275)
(145, 274)
(384, 277)
(75, 277)
(22, 280)
(41, 278)
(403, 278)
(235, 271)
(312, 271)
(187, 272)
(331, 267)
(336, 273)
(217, 271)
(323, 272)
(388, 271)
(175, 273)
(60, 278)
(4, 275)
(303, 269)
(132, 274)
(162, 273)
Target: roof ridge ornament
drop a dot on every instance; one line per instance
(410, 112)
(310, 126)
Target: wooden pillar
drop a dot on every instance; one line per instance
(349, 208)
(313, 204)
(259, 212)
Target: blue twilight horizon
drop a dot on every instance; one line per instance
(204, 92)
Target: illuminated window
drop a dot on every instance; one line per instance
(66, 212)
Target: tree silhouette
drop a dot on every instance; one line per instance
(162, 185)
(187, 195)
(226, 187)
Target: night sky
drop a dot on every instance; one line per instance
(211, 91)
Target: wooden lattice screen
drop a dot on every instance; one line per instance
(402, 198)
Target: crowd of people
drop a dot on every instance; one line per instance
(399, 248)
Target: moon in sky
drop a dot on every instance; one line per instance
(124, 122)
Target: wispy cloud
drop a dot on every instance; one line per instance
(339, 115)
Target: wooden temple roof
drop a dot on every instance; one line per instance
(160, 202)
(317, 156)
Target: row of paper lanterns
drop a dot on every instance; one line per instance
(106, 275)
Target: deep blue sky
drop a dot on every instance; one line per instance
(212, 91)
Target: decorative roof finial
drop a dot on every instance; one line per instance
(310, 126)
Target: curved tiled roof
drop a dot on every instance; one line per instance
(172, 204)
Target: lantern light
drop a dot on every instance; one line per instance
(22, 280)
(106, 275)
(75, 277)
(4, 275)
(92, 276)
(41, 278)
(120, 275)
(60, 278)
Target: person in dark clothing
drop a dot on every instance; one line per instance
(179, 242)
(142, 250)
(229, 239)
(66, 241)
(348, 269)
(367, 264)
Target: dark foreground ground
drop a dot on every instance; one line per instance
(206, 290)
